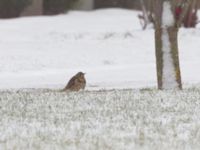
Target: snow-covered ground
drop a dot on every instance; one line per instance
(109, 45)
(103, 120)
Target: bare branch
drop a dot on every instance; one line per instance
(144, 16)
(186, 4)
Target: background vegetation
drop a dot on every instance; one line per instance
(12, 8)
(57, 6)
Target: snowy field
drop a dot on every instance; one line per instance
(109, 45)
(144, 119)
(38, 55)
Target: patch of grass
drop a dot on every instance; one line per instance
(101, 120)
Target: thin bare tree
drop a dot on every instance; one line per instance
(166, 24)
(144, 17)
(190, 20)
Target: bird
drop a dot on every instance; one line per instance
(76, 83)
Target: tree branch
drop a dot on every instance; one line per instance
(186, 4)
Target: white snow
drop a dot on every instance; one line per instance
(167, 15)
(169, 76)
(100, 120)
(109, 45)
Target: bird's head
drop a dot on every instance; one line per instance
(80, 75)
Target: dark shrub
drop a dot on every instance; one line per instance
(12, 8)
(52, 7)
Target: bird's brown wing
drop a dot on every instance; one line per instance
(71, 83)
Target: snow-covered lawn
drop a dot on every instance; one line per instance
(144, 119)
(109, 45)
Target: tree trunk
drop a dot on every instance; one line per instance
(159, 54)
(163, 63)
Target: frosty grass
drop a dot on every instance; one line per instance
(100, 120)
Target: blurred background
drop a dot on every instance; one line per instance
(16, 8)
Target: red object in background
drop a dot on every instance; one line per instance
(178, 12)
